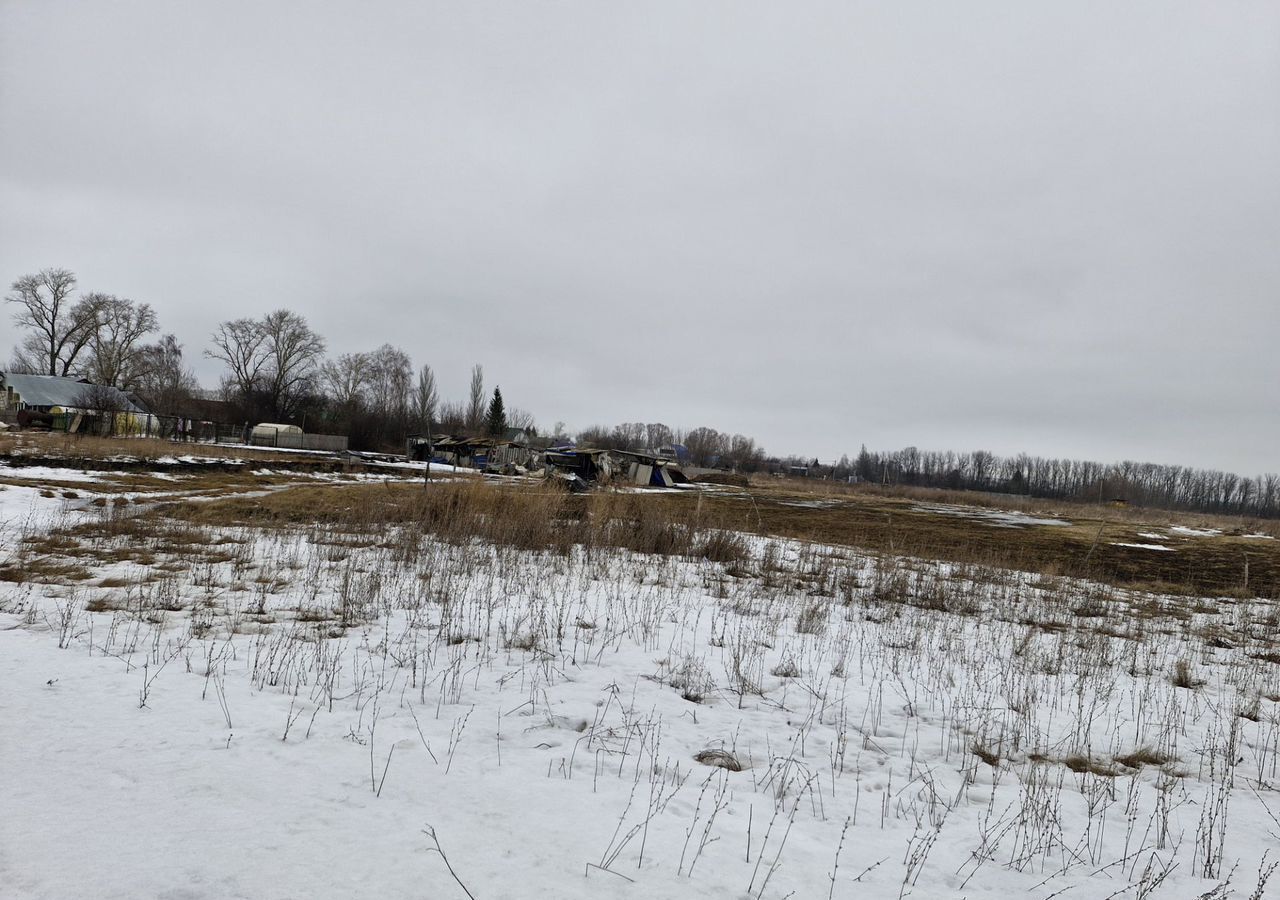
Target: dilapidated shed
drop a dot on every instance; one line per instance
(651, 470)
(589, 465)
(484, 453)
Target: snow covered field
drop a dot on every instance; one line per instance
(364, 709)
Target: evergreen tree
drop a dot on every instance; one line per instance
(865, 466)
(496, 419)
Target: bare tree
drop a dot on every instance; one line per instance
(600, 437)
(425, 398)
(241, 345)
(658, 435)
(59, 328)
(116, 351)
(521, 420)
(276, 355)
(21, 363)
(164, 383)
(293, 351)
(391, 383)
(630, 435)
(453, 417)
(346, 379)
(705, 445)
(743, 454)
(476, 407)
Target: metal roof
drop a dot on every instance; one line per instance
(652, 459)
(54, 390)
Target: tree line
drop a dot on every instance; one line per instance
(1140, 483)
(704, 446)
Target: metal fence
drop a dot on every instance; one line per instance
(127, 424)
(286, 441)
(106, 423)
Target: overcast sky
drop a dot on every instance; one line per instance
(1051, 228)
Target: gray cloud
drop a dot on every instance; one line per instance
(948, 225)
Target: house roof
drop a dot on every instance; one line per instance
(54, 390)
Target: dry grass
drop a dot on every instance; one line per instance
(723, 546)
(48, 570)
(1144, 756)
(852, 515)
(700, 524)
(1035, 506)
(720, 758)
(865, 516)
(520, 516)
(540, 516)
(134, 462)
(1081, 764)
(89, 447)
(1184, 676)
(986, 754)
(106, 603)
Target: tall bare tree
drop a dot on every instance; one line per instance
(116, 351)
(241, 345)
(275, 357)
(425, 398)
(705, 445)
(658, 435)
(476, 406)
(59, 327)
(293, 352)
(742, 452)
(164, 382)
(630, 435)
(346, 379)
(391, 383)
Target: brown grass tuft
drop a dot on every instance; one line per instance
(1144, 756)
(1081, 764)
(1184, 676)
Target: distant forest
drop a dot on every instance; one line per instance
(1142, 484)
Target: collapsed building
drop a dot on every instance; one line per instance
(485, 454)
(651, 470)
(581, 466)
